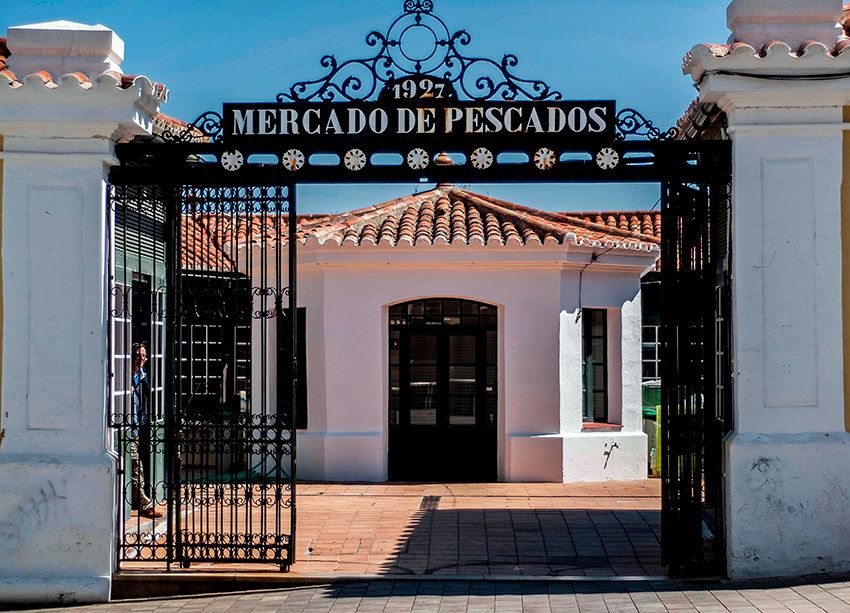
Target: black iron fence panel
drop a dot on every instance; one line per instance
(696, 374)
(201, 416)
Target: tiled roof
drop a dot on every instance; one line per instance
(164, 123)
(442, 216)
(774, 55)
(122, 81)
(200, 250)
(646, 224)
(702, 121)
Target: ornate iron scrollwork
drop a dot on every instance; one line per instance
(418, 6)
(632, 123)
(419, 44)
(207, 127)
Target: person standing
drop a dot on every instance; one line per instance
(140, 432)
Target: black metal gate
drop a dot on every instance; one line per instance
(202, 415)
(696, 374)
(206, 437)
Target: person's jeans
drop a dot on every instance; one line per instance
(139, 447)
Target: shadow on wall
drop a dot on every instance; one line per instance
(549, 542)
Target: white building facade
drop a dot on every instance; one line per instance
(541, 275)
(787, 487)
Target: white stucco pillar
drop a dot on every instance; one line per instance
(787, 478)
(57, 475)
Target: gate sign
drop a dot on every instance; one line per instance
(427, 121)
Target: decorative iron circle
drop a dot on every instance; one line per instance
(608, 159)
(545, 159)
(293, 160)
(401, 43)
(411, 33)
(419, 45)
(355, 160)
(481, 158)
(418, 159)
(232, 160)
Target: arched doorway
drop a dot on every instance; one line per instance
(443, 391)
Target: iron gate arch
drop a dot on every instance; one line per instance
(196, 205)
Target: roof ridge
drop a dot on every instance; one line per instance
(364, 215)
(524, 214)
(510, 205)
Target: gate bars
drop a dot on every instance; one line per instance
(696, 374)
(204, 430)
(198, 278)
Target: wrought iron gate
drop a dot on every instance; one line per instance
(202, 415)
(199, 260)
(696, 374)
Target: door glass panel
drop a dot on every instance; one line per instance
(462, 410)
(462, 349)
(462, 380)
(423, 380)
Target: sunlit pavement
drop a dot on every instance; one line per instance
(471, 530)
(797, 595)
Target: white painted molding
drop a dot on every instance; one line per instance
(62, 47)
(777, 58)
(796, 22)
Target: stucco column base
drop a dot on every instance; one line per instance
(40, 563)
(783, 518)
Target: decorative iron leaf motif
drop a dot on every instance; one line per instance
(206, 128)
(632, 123)
(419, 44)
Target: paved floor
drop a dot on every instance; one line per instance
(831, 594)
(601, 529)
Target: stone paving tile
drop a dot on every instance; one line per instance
(483, 529)
(785, 595)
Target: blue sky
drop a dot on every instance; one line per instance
(215, 51)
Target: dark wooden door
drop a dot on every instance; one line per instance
(446, 428)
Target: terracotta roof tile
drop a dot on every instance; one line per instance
(51, 81)
(442, 216)
(702, 120)
(643, 224)
(725, 50)
(200, 249)
(164, 123)
(4, 54)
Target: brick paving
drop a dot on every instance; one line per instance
(830, 594)
(601, 529)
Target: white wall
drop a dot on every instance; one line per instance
(600, 456)
(57, 475)
(347, 292)
(57, 478)
(786, 479)
(788, 486)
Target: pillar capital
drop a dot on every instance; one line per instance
(776, 39)
(794, 22)
(63, 78)
(64, 47)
